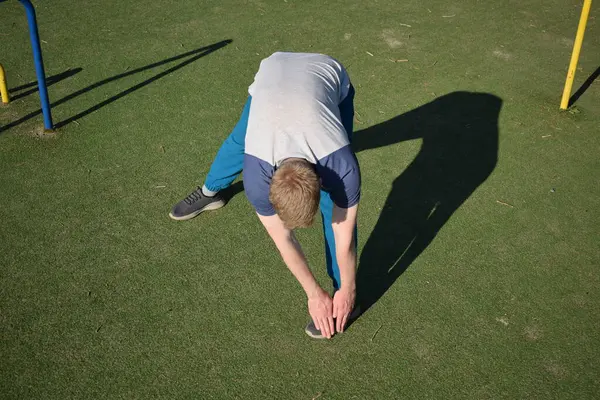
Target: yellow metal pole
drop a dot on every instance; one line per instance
(585, 12)
(3, 89)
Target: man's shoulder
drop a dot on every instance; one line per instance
(254, 163)
(341, 177)
(257, 182)
(342, 158)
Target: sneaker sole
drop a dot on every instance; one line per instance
(212, 206)
(309, 333)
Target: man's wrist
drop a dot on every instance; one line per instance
(314, 290)
(349, 286)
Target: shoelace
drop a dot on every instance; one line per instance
(194, 196)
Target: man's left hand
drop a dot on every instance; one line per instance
(343, 303)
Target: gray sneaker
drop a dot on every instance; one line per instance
(194, 204)
(312, 331)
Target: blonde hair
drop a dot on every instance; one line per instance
(295, 193)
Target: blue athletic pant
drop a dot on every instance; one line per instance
(229, 162)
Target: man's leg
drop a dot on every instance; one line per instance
(326, 204)
(229, 161)
(227, 165)
(333, 270)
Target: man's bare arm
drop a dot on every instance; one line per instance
(343, 225)
(320, 305)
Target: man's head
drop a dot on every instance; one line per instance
(295, 192)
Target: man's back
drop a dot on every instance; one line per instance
(294, 111)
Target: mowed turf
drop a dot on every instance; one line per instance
(479, 221)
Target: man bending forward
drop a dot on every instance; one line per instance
(292, 143)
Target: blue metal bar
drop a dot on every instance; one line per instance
(39, 63)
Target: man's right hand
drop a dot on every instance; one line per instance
(320, 308)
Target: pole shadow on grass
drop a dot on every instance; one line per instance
(459, 134)
(33, 86)
(588, 82)
(189, 57)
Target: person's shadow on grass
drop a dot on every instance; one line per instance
(459, 134)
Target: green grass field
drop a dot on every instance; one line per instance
(479, 227)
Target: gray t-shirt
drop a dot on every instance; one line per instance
(295, 112)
